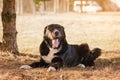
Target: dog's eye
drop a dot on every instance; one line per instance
(51, 29)
(62, 28)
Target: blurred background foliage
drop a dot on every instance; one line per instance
(63, 6)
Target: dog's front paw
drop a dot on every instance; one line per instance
(25, 67)
(81, 65)
(51, 69)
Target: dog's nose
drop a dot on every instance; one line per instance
(56, 33)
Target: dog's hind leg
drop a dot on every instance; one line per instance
(96, 52)
(87, 56)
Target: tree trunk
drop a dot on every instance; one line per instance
(81, 6)
(56, 6)
(71, 2)
(68, 5)
(9, 42)
(33, 7)
(19, 6)
(108, 5)
(44, 5)
(28, 6)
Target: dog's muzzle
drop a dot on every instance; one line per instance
(55, 40)
(56, 33)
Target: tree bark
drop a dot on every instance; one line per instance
(9, 42)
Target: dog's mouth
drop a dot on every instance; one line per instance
(55, 43)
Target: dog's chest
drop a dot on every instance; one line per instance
(50, 55)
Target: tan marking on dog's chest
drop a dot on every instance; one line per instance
(51, 55)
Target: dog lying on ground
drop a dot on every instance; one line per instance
(56, 52)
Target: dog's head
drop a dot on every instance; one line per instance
(53, 35)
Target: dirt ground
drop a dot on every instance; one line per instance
(105, 69)
(97, 29)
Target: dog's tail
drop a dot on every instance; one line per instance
(95, 53)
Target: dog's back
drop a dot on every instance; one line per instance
(79, 54)
(70, 57)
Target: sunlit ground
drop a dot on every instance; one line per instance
(97, 29)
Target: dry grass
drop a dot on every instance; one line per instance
(97, 29)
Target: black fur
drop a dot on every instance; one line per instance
(42, 63)
(67, 55)
(57, 62)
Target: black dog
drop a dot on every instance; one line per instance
(56, 52)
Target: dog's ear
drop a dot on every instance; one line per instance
(62, 27)
(45, 29)
(63, 31)
(44, 50)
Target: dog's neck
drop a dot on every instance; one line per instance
(51, 54)
(54, 51)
